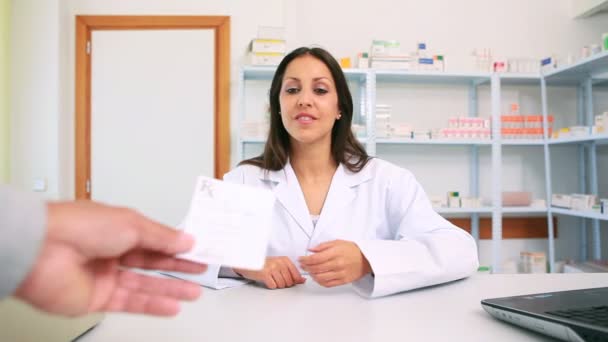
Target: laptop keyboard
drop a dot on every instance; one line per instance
(596, 315)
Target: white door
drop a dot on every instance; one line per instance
(152, 125)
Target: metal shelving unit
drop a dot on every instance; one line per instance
(578, 213)
(463, 142)
(472, 81)
(523, 142)
(524, 210)
(600, 139)
(366, 81)
(430, 77)
(583, 74)
(482, 210)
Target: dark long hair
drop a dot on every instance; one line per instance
(345, 148)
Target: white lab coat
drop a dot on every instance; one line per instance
(383, 209)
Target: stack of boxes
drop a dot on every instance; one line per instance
(548, 64)
(483, 59)
(268, 48)
(463, 127)
(362, 60)
(386, 129)
(523, 65)
(601, 123)
(426, 61)
(582, 202)
(533, 262)
(524, 126)
(454, 200)
(466, 127)
(386, 54)
(486, 62)
(383, 121)
(600, 127)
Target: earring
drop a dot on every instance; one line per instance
(339, 116)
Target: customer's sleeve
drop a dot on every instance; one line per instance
(22, 230)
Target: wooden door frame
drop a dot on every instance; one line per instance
(85, 24)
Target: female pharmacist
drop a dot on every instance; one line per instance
(341, 216)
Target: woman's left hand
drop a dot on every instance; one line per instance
(335, 263)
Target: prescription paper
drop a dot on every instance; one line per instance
(231, 224)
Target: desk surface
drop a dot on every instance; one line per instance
(313, 314)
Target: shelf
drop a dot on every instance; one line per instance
(524, 210)
(258, 72)
(592, 66)
(263, 140)
(253, 141)
(463, 210)
(599, 138)
(509, 142)
(520, 79)
(523, 142)
(488, 210)
(356, 74)
(434, 77)
(595, 66)
(252, 72)
(404, 141)
(579, 213)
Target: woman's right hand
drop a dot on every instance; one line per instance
(278, 273)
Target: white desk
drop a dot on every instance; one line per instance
(313, 314)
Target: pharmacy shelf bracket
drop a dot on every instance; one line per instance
(370, 84)
(592, 157)
(582, 171)
(363, 99)
(474, 167)
(543, 90)
(496, 176)
(241, 113)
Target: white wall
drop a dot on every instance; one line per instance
(43, 67)
(511, 28)
(35, 96)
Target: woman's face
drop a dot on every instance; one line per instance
(308, 100)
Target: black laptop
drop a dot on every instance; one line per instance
(579, 315)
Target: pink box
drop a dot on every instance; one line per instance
(516, 198)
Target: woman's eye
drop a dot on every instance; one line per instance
(321, 91)
(292, 90)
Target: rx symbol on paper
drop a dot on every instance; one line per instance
(207, 188)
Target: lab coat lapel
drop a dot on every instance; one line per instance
(342, 192)
(289, 194)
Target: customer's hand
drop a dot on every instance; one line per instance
(81, 264)
(278, 273)
(335, 263)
